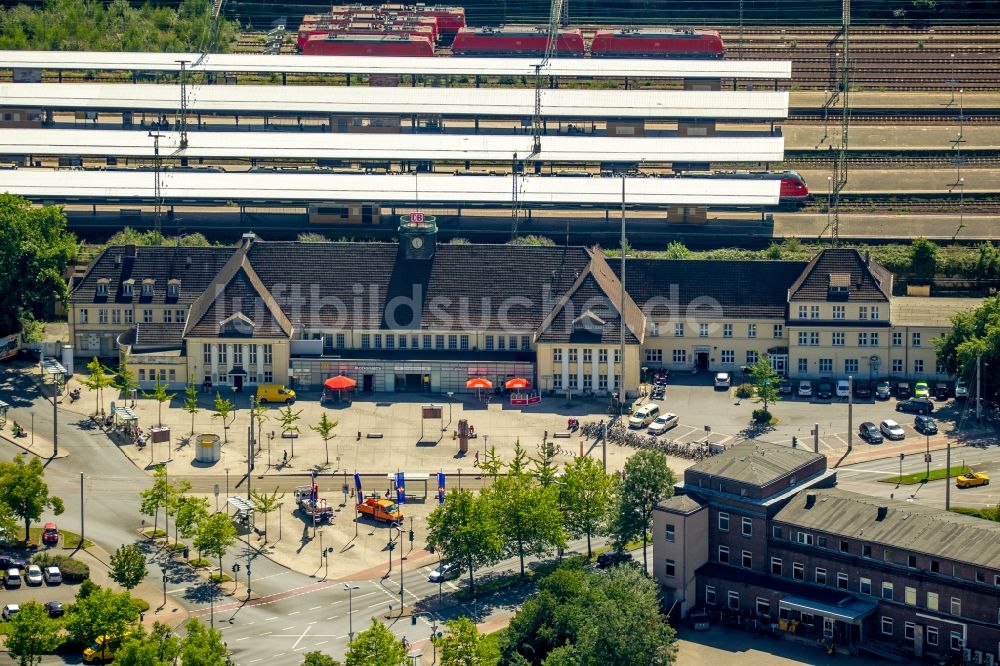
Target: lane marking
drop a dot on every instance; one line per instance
(304, 632)
(315, 607)
(295, 612)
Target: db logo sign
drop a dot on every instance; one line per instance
(417, 217)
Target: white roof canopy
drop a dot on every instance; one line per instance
(464, 191)
(647, 68)
(480, 147)
(456, 102)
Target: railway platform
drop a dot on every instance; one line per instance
(891, 138)
(884, 182)
(891, 99)
(866, 227)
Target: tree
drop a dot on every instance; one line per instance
(23, 489)
(491, 464)
(160, 395)
(974, 334)
(288, 418)
(98, 380)
(176, 492)
(923, 258)
(265, 504)
(158, 495)
(191, 511)
(545, 463)
(648, 481)
(128, 566)
(101, 612)
(375, 645)
(160, 647)
(528, 515)
(125, 377)
(203, 646)
(463, 646)
(519, 462)
(586, 496)
(191, 402)
(765, 382)
(325, 430)
(317, 658)
(466, 530)
(216, 534)
(32, 633)
(223, 408)
(35, 249)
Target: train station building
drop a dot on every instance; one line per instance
(423, 316)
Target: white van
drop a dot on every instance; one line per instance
(644, 416)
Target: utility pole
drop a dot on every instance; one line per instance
(979, 399)
(840, 164)
(157, 194)
(81, 510)
(515, 216)
(850, 412)
(621, 382)
(184, 105)
(55, 420)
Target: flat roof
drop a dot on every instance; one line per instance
(335, 146)
(646, 68)
(466, 191)
(354, 100)
(929, 311)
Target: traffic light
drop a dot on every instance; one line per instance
(411, 536)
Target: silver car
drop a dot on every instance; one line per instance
(445, 572)
(891, 429)
(662, 424)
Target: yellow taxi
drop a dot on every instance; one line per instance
(972, 479)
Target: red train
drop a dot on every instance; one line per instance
(449, 19)
(369, 45)
(407, 26)
(656, 43)
(793, 192)
(505, 42)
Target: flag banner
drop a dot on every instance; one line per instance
(440, 487)
(359, 496)
(400, 488)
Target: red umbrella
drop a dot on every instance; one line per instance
(340, 383)
(517, 383)
(479, 383)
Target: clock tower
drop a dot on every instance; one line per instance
(417, 235)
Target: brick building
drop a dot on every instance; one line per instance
(761, 534)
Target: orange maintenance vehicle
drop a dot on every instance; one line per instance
(381, 510)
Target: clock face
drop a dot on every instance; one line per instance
(417, 243)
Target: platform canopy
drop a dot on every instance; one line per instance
(646, 68)
(335, 146)
(283, 188)
(400, 102)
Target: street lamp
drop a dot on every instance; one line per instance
(829, 199)
(450, 395)
(350, 609)
(434, 629)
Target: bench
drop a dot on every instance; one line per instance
(374, 435)
(562, 435)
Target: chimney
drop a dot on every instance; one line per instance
(118, 260)
(248, 238)
(187, 261)
(810, 500)
(883, 511)
(868, 257)
(130, 252)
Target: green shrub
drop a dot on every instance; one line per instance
(762, 416)
(744, 391)
(73, 571)
(141, 604)
(199, 562)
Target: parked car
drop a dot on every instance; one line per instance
(663, 424)
(786, 387)
(612, 558)
(9, 562)
(33, 576)
(883, 391)
(274, 393)
(50, 534)
(52, 575)
(870, 433)
(723, 380)
(825, 389)
(843, 388)
(644, 416)
(862, 389)
(805, 389)
(9, 611)
(903, 390)
(960, 390)
(972, 479)
(891, 429)
(12, 578)
(941, 391)
(921, 390)
(925, 425)
(55, 608)
(915, 406)
(447, 571)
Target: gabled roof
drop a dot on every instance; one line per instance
(755, 462)
(237, 295)
(596, 295)
(868, 280)
(900, 524)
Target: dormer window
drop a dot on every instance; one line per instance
(173, 288)
(102, 288)
(147, 288)
(127, 286)
(839, 287)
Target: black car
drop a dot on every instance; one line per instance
(941, 391)
(786, 387)
(612, 558)
(870, 433)
(915, 406)
(825, 389)
(55, 608)
(903, 390)
(9, 562)
(925, 425)
(862, 390)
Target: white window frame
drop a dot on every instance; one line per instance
(886, 623)
(723, 517)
